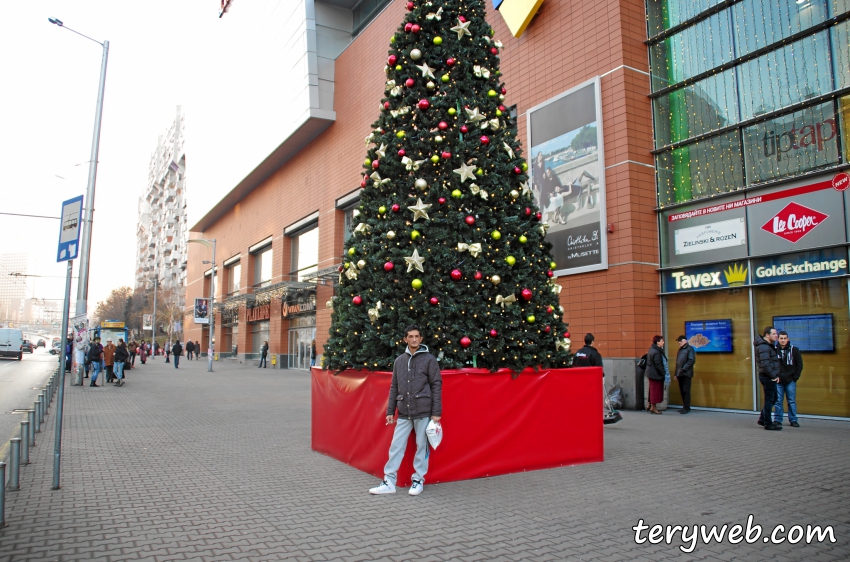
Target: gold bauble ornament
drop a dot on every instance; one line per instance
(361, 264)
(495, 279)
(391, 234)
(514, 193)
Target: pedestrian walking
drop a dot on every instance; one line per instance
(155, 348)
(197, 349)
(166, 350)
(190, 349)
(264, 351)
(686, 357)
(177, 351)
(416, 392)
(133, 348)
(767, 360)
(143, 352)
(313, 353)
(790, 369)
(656, 369)
(122, 355)
(96, 359)
(69, 346)
(109, 359)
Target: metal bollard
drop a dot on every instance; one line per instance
(31, 432)
(37, 407)
(47, 389)
(25, 450)
(43, 411)
(46, 406)
(2, 494)
(15, 459)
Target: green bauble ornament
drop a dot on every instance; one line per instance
(495, 235)
(398, 67)
(352, 251)
(400, 135)
(523, 239)
(492, 94)
(524, 167)
(530, 319)
(457, 194)
(552, 265)
(435, 158)
(452, 110)
(382, 210)
(511, 260)
(438, 40)
(414, 234)
(445, 78)
(416, 284)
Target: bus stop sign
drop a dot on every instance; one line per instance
(69, 230)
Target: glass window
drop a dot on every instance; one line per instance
(349, 222)
(721, 380)
(305, 253)
(692, 51)
(838, 7)
(824, 385)
(365, 11)
(844, 112)
(263, 268)
(791, 74)
(702, 107)
(792, 144)
(259, 335)
(759, 23)
(234, 276)
(664, 14)
(840, 35)
(701, 169)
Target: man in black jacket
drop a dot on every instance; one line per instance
(790, 369)
(121, 357)
(767, 361)
(190, 348)
(177, 350)
(587, 356)
(416, 392)
(685, 359)
(96, 359)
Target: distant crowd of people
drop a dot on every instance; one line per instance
(114, 360)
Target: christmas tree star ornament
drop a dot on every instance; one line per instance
(474, 116)
(508, 149)
(465, 172)
(505, 301)
(462, 28)
(415, 262)
(420, 210)
(427, 71)
(474, 249)
(525, 189)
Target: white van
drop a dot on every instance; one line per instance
(11, 340)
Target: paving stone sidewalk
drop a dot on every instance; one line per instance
(188, 465)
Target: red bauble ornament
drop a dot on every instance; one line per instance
(414, 28)
(550, 273)
(446, 155)
(527, 294)
(566, 334)
(494, 50)
(410, 6)
(407, 27)
(389, 266)
(375, 164)
(493, 333)
(470, 220)
(424, 104)
(478, 276)
(386, 105)
(504, 91)
(396, 208)
(547, 329)
(464, 128)
(363, 182)
(441, 200)
(501, 108)
(465, 342)
(528, 211)
(409, 82)
(340, 268)
(434, 301)
(442, 125)
(538, 216)
(485, 139)
(549, 309)
(450, 61)
(456, 274)
(517, 170)
(401, 152)
(462, 19)
(391, 60)
(358, 300)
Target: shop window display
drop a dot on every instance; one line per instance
(823, 387)
(721, 380)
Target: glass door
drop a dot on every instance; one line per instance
(300, 340)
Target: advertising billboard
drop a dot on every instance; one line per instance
(709, 336)
(147, 322)
(202, 312)
(568, 176)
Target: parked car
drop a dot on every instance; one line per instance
(56, 349)
(42, 343)
(27, 346)
(11, 340)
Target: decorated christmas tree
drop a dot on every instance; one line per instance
(447, 233)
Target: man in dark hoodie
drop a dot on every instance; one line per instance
(416, 391)
(790, 369)
(767, 361)
(685, 359)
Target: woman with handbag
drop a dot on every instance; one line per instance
(143, 352)
(656, 372)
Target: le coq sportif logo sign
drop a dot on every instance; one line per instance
(794, 221)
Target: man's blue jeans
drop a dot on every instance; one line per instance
(98, 367)
(118, 368)
(176, 361)
(263, 362)
(782, 391)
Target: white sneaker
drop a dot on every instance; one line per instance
(416, 488)
(386, 487)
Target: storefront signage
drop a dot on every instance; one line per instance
(288, 308)
(258, 313)
(716, 276)
(794, 221)
(817, 264)
(711, 236)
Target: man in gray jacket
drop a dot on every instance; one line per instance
(685, 359)
(416, 392)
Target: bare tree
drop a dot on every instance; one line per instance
(114, 307)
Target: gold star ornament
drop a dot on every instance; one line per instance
(415, 261)
(420, 210)
(462, 28)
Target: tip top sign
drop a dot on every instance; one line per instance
(794, 221)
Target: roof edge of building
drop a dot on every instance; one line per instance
(315, 122)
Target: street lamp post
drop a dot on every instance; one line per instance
(153, 319)
(88, 212)
(211, 349)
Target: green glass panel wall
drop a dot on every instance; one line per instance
(703, 107)
(701, 169)
(840, 35)
(664, 14)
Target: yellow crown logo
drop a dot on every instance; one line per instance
(736, 274)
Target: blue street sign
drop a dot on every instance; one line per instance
(69, 229)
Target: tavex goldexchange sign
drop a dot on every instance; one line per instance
(816, 264)
(717, 276)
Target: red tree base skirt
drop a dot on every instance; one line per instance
(492, 424)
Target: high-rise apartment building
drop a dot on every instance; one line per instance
(162, 228)
(13, 287)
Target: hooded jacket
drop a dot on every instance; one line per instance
(790, 364)
(685, 359)
(121, 353)
(417, 386)
(767, 359)
(655, 363)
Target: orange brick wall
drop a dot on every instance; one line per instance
(569, 42)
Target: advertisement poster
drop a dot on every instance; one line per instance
(709, 336)
(721, 234)
(810, 332)
(80, 328)
(147, 322)
(568, 178)
(202, 312)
